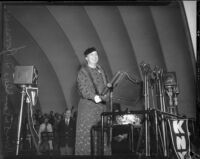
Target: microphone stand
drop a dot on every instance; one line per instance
(146, 70)
(152, 85)
(109, 88)
(160, 93)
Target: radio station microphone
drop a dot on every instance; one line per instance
(109, 85)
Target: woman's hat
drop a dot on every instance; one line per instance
(89, 50)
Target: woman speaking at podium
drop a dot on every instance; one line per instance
(91, 81)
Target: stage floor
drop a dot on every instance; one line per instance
(118, 156)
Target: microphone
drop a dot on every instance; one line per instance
(142, 64)
(145, 67)
(109, 85)
(113, 82)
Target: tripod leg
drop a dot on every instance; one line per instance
(20, 119)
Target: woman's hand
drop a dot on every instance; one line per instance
(97, 99)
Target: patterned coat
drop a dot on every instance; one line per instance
(89, 113)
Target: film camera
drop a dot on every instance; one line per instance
(25, 75)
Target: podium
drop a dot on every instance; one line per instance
(128, 126)
(109, 89)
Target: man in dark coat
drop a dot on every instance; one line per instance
(66, 134)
